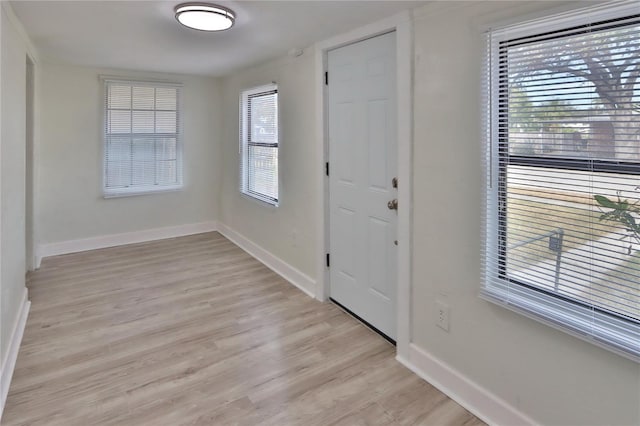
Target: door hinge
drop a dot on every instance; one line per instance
(326, 78)
(328, 262)
(326, 168)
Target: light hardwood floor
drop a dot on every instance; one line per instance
(193, 331)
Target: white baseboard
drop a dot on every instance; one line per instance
(277, 265)
(10, 358)
(483, 404)
(104, 241)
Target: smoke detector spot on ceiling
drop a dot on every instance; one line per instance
(295, 52)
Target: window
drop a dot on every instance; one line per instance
(142, 140)
(259, 143)
(562, 241)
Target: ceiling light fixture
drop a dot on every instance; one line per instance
(205, 16)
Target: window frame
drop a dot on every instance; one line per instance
(142, 189)
(245, 143)
(609, 330)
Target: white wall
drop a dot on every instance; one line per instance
(551, 377)
(12, 178)
(69, 159)
(547, 375)
(289, 230)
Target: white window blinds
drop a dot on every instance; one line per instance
(259, 143)
(563, 161)
(141, 137)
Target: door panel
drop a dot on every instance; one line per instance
(363, 157)
(378, 173)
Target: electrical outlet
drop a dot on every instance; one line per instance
(442, 315)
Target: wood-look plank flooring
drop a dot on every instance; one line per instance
(194, 331)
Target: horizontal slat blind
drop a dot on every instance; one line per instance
(563, 163)
(260, 143)
(142, 137)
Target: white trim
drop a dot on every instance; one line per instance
(149, 82)
(74, 246)
(244, 143)
(33, 54)
(402, 24)
(277, 265)
(563, 17)
(142, 189)
(33, 262)
(404, 36)
(376, 28)
(9, 361)
(139, 190)
(473, 397)
(30, 163)
(580, 320)
(322, 184)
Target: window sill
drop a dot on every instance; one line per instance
(265, 202)
(134, 192)
(610, 333)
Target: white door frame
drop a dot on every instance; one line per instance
(33, 261)
(30, 164)
(402, 25)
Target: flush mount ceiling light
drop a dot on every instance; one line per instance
(205, 16)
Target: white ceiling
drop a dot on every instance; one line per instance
(144, 35)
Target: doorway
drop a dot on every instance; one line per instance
(363, 184)
(29, 166)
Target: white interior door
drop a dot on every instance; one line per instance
(363, 162)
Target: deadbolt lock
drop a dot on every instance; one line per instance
(394, 182)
